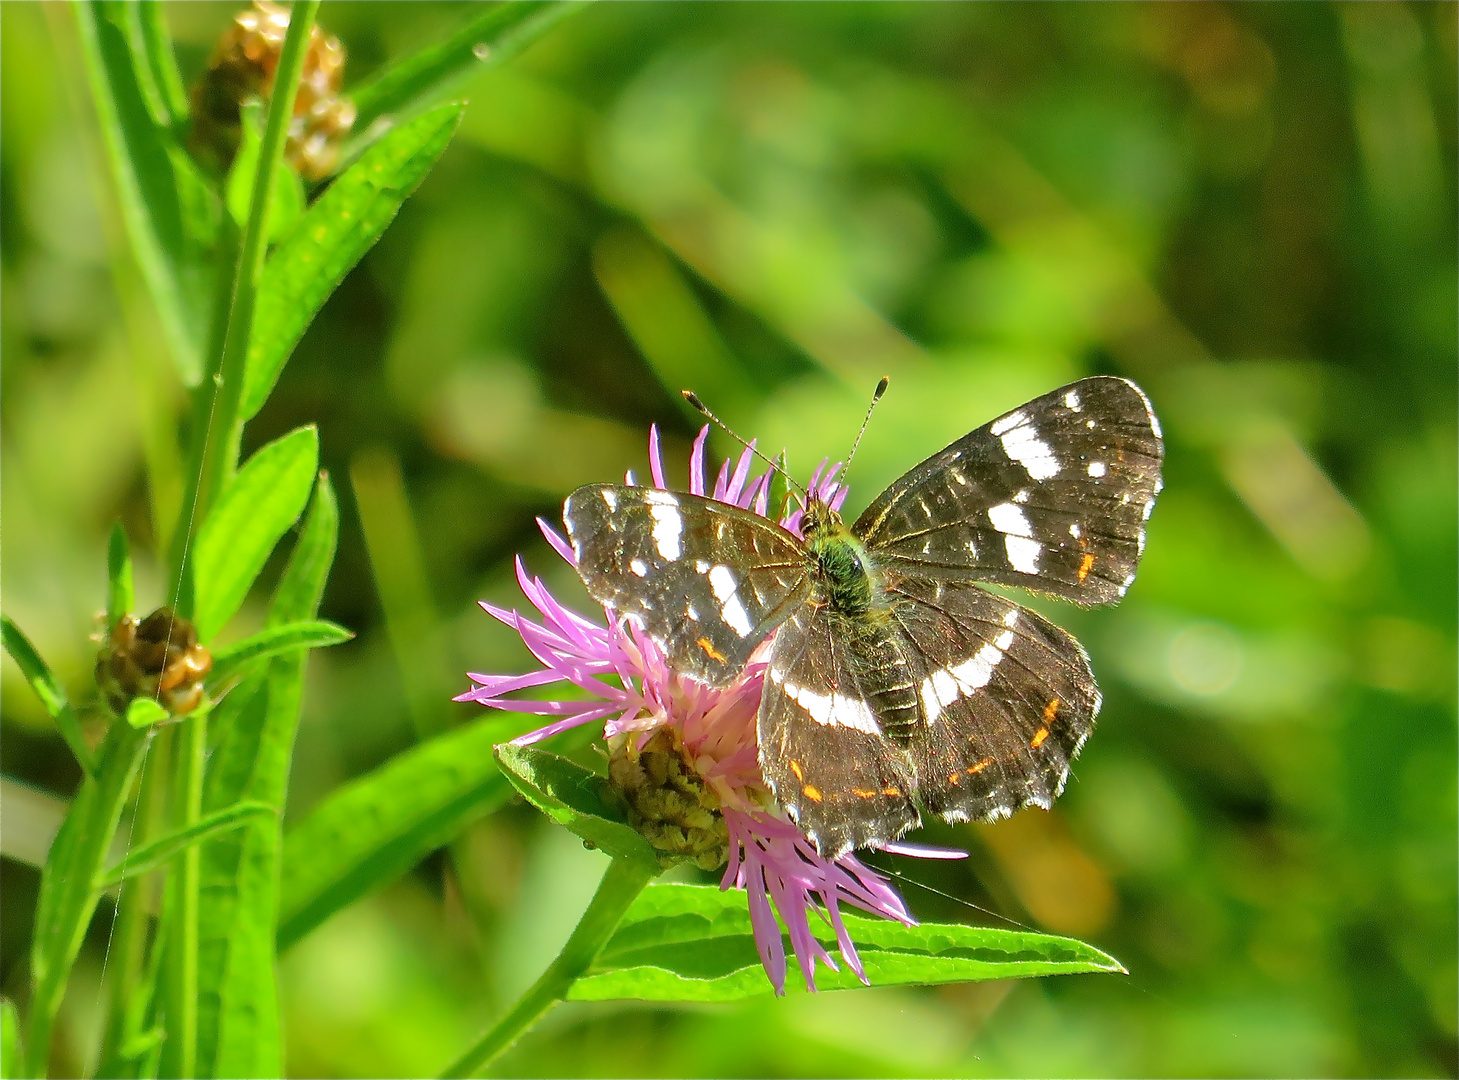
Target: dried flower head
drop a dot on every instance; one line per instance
(685, 755)
(158, 658)
(243, 65)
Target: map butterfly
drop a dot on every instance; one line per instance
(895, 685)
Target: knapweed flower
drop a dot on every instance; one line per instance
(685, 755)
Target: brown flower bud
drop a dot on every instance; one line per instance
(159, 658)
(243, 66)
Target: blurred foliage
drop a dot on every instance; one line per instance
(1250, 209)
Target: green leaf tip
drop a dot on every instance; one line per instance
(576, 798)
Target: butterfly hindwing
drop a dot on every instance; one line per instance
(1007, 700)
(1052, 496)
(705, 580)
(822, 747)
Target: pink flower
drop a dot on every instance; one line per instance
(636, 695)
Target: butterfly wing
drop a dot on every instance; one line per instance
(705, 580)
(1007, 700)
(822, 748)
(1051, 496)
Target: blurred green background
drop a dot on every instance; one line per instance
(1249, 209)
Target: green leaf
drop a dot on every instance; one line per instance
(143, 712)
(165, 202)
(67, 897)
(151, 856)
(493, 36)
(286, 199)
(256, 509)
(12, 1053)
(696, 943)
(238, 1008)
(331, 238)
(379, 826)
(48, 688)
(229, 663)
(119, 597)
(576, 798)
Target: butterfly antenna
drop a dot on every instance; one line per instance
(881, 388)
(693, 399)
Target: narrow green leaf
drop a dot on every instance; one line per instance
(495, 35)
(144, 712)
(67, 898)
(255, 510)
(238, 1008)
(229, 663)
(119, 597)
(48, 688)
(696, 943)
(162, 62)
(12, 1053)
(165, 202)
(576, 798)
(331, 238)
(153, 855)
(286, 199)
(377, 827)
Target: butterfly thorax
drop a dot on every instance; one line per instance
(847, 572)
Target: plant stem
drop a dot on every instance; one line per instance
(220, 445)
(622, 883)
(68, 897)
(190, 747)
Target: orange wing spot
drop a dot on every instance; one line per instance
(795, 768)
(861, 793)
(954, 779)
(1039, 737)
(714, 654)
(1084, 565)
(1051, 710)
(980, 766)
(893, 792)
(812, 792)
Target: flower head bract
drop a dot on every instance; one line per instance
(686, 754)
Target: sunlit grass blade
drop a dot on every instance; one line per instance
(238, 1020)
(575, 798)
(229, 663)
(165, 203)
(255, 510)
(331, 238)
(67, 896)
(49, 689)
(496, 34)
(376, 828)
(148, 858)
(695, 943)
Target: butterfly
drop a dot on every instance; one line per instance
(895, 686)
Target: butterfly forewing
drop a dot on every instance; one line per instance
(1007, 700)
(1052, 496)
(705, 580)
(823, 749)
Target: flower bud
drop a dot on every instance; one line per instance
(668, 802)
(243, 65)
(159, 658)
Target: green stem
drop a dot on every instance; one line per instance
(220, 445)
(129, 942)
(191, 748)
(620, 886)
(67, 897)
